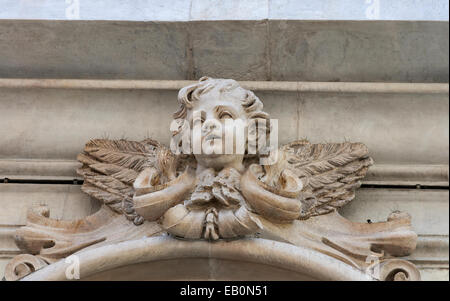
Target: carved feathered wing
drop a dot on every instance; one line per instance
(111, 166)
(330, 173)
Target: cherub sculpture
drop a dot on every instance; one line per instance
(221, 195)
(228, 195)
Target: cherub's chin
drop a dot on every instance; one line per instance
(218, 161)
(213, 159)
(213, 156)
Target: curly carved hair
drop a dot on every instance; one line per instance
(251, 103)
(253, 107)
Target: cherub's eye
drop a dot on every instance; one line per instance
(225, 115)
(198, 121)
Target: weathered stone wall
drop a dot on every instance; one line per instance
(277, 50)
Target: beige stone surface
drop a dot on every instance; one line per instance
(77, 49)
(432, 252)
(389, 51)
(395, 127)
(65, 201)
(428, 208)
(39, 169)
(3, 262)
(78, 116)
(360, 50)
(430, 274)
(243, 43)
(198, 270)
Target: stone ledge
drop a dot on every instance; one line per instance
(280, 86)
(379, 174)
(428, 207)
(404, 126)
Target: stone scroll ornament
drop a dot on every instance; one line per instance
(148, 190)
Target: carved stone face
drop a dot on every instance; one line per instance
(212, 114)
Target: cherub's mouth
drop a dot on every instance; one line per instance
(212, 137)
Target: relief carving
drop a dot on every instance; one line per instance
(149, 189)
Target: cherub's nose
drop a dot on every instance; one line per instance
(209, 125)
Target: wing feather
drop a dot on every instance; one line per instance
(111, 166)
(331, 173)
